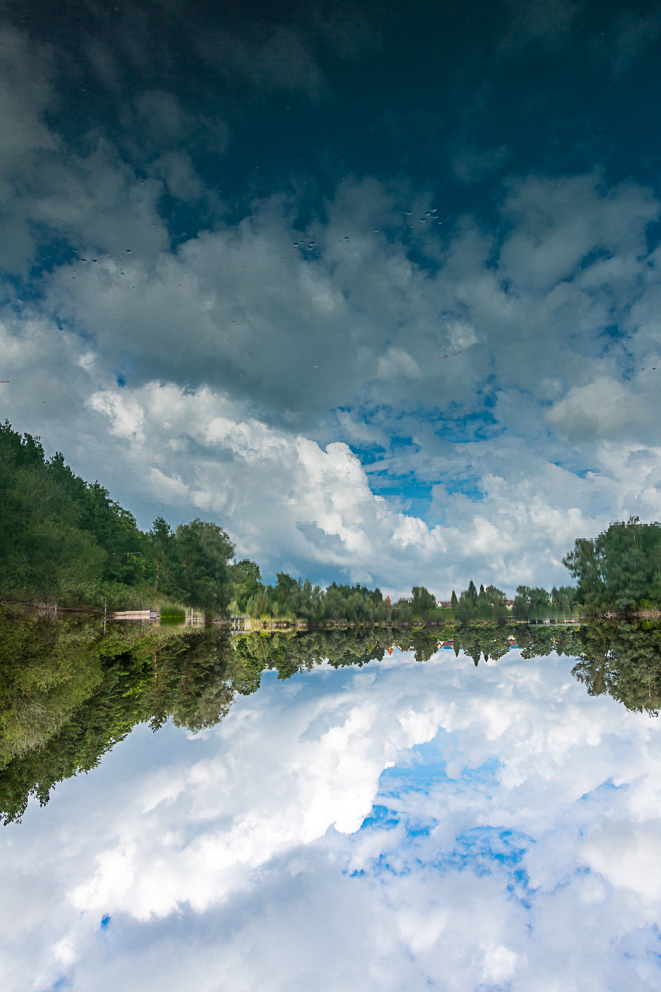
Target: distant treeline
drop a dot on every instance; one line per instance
(358, 604)
(70, 689)
(492, 602)
(64, 538)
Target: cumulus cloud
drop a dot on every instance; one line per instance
(397, 364)
(604, 408)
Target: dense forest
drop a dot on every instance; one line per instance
(70, 689)
(64, 539)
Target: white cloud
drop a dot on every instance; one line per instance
(212, 460)
(248, 363)
(627, 854)
(602, 408)
(462, 335)
(396, 364)
(126, 416)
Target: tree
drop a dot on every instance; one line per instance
(531, 600)
(205, 550)
(563, 598)
(258, 604)
(333, 603)
(71, 689)
(246, 583)
(622, 659)
(495, 597)
(43, 549)
(422, 601)
(163, 551)
(619, 570)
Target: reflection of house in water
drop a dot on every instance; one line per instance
(509, 603)
(135, 615)
(240, 623)
(447, 644)
(243, 623)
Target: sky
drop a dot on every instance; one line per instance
(398, 826)
(375, 286)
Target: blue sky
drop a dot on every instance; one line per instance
(375, 286)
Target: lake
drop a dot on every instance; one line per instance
(400, 824)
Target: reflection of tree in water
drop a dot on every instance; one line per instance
(488, 641)
(622, 659)
(69, 692)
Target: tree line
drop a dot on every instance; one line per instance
(492, 602)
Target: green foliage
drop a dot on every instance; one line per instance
(422, 601)
(204, 550)
(173, 612)
(246, 583)
(66, 539)
(485, 604)
(624, 660)
(69, 691)
(258, 604)
(298, 599)
(620, 570)
(531, 601)
(563, 600)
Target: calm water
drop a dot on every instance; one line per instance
(398, 825)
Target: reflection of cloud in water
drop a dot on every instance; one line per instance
(396, 826)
